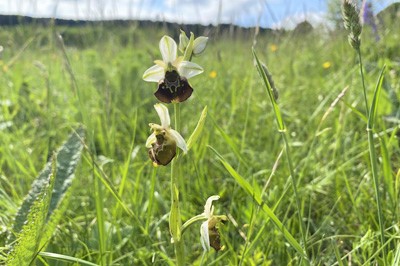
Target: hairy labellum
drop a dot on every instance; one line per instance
(173, 88)
(163, 150)
(213, 233)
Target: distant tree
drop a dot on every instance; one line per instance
(302, 28)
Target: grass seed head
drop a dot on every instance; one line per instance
(352, 23)
(271, 82)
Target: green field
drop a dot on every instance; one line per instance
(311, 202)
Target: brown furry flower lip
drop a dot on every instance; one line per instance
(173, 88)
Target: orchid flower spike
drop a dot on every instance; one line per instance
(163, 141)
(172, 73)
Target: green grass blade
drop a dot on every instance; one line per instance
(257, 197)
(60, 257)
(278, 115)
(231, 144)
(396, 259)
(199, 128)
(374, 162)
(375, 100)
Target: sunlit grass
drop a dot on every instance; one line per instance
(43, 96)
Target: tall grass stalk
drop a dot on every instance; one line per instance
(353, 25)
(282, 130)
(88, 122)
(371, 112)
(372, 154)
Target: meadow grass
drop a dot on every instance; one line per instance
(119, 203)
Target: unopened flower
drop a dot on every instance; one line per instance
(209, 234)
(171, 73)
(163, 141)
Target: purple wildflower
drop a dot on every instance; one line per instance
(368, 18)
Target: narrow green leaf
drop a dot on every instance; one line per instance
(396, 259)
(278, 115)
(337, 253)
(375, 100)
(257, 197)
(199, 128)
(231, 144)
(60, 257)
(387, 169)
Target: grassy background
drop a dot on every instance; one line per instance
(45, 93)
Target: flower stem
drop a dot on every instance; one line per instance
(175, 216)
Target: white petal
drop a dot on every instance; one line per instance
(180, 141)
(150, 140)
(204, 237)
(188, 69)
(162, 112)
(199, 45)
(208, 208)
(168, 49)
(154, 74)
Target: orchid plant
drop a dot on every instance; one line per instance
(172, 74)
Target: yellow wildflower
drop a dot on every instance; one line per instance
(273, 47)
(213, 74)
(326, 64)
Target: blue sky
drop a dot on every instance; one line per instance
(266, 13)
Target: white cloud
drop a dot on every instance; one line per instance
(290, 22)
(267, 13)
